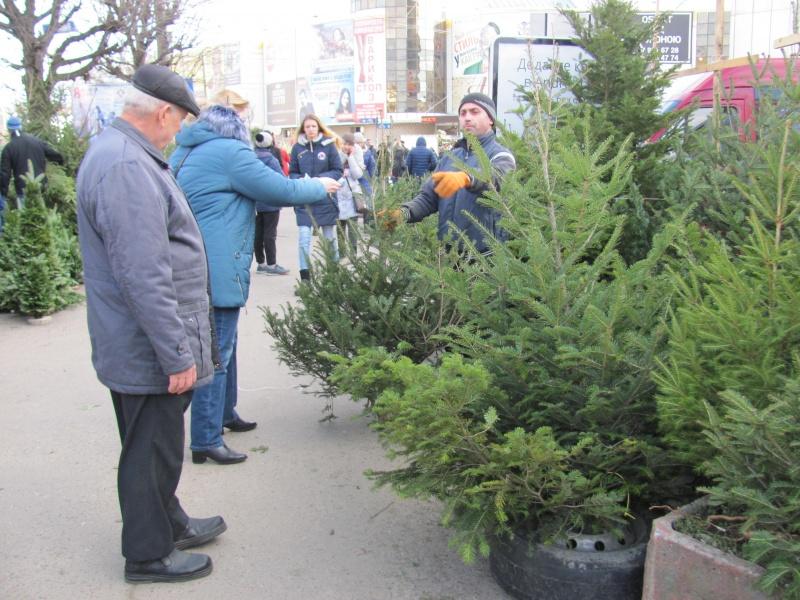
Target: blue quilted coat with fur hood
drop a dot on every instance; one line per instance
(225, 183)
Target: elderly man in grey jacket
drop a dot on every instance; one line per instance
(148, 315)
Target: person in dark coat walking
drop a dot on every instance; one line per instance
(399, 154)
(421, 160)
(147, 307)
(267, 217)
(315, 155)
(23, 148)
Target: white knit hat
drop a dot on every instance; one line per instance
(263, 139)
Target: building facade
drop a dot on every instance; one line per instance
(395, 68)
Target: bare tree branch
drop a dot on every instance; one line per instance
(46, 61)
(147, 33)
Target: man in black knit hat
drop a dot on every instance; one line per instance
(454, 193)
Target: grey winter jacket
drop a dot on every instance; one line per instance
(462, 209)
(144, 266)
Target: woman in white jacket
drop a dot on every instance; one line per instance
(353, 163)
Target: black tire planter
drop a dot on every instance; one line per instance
(577, 567)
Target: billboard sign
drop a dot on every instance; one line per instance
(331, 79)
(281, 103)
(370, 72)
(674, 40)
(527, 63)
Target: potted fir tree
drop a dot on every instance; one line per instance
(539, 425)
(729, 385)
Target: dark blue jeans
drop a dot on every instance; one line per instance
(215, 403)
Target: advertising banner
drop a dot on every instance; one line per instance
(332, 95)
(370, 69)
(95, 106)
(281, 103)
(472, 40)
(305, 101)
(331, 80)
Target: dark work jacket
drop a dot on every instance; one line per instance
(14, 160)
(267, 156)
(455, 211)
(316, 158)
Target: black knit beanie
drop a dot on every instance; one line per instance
(483, 101)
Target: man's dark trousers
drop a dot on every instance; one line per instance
(152, 433)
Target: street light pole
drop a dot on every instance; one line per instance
(719, 28)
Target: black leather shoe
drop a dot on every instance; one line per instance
(238, 425)
(200, 531)
(176, 566)
(222, 455)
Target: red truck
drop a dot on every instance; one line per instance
(739, 94)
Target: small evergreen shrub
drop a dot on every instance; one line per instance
(756, 474)
(728, 387)
(60, 195)
(33, 277)
(9, 251)
(373, 298)
(621, 85)
(736, 326)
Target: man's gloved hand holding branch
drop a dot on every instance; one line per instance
(389, 219)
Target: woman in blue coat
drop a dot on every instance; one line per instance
(315, 155)
(225, 183)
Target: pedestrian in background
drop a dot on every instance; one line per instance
(399, 154)
(22, 152)
(148, 313)
(315, 155)
(279, 151)
(421, 160)
(350, 193)
(370, 163)
(267, 217)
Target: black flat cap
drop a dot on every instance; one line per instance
(166, 85)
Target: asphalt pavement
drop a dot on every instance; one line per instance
(303, 521)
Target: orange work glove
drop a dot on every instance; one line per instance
(449, 182)
(389, 219)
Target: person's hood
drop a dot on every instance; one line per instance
(303, 140)
(213, 123)
(421, 143)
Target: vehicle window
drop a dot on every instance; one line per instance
(700, 116)
(768, 92)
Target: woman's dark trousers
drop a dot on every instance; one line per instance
(266, 232)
